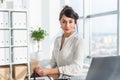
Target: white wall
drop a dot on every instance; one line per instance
(46, 24)
(54, 20)
(45, 13)
(34, 11)
(34, 20)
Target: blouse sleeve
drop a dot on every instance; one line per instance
(76, 65)
(52, 62)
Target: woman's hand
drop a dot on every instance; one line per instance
(46, 71)
(42, 71)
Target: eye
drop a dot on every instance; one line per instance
(70, 21)
(63, 21)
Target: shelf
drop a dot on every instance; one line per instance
(14, 39)
(8, 64)
(4, 29)
(20, 63)
(18, 28)
(4, 46)
(19, 46)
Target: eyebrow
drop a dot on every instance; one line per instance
(69, 19)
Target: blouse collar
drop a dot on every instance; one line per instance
(67, 37)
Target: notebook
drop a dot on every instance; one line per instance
(104, 68)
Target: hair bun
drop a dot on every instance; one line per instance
(69, 9)
(76, 16)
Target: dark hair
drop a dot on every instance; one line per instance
(69, 12)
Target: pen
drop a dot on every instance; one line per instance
(34, 75)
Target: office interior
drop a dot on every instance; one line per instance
(99, 26)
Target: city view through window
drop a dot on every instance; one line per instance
(104, 45)
(104, 36)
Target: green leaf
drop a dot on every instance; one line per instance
(39, 34)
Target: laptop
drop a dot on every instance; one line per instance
(104, 68)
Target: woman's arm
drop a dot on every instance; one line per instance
(51, 68)
(46, 71)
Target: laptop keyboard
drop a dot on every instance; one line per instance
(77, 78)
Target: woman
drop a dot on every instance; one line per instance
(67, 56)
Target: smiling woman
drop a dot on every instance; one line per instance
(68, 51)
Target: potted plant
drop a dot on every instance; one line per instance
(38, 35)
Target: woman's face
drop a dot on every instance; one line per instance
(67, 24)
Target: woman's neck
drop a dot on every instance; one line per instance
(67, 34)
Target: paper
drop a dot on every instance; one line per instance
(41, 78)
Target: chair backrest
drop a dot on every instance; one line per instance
(104, 68)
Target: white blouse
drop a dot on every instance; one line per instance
(69, 59)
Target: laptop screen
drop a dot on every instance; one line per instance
(104, 68)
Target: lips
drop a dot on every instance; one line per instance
(67, 29)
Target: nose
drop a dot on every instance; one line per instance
(67, 24)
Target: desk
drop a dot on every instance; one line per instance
(59, 77)
(67, 77)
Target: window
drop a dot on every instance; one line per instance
(100, 6)
(104, 36)
(77, 5)
(99, 28)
